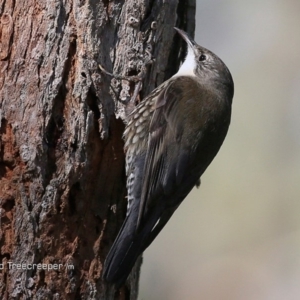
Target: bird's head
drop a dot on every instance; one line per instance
(204, 64)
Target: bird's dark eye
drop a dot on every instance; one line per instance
(202, 57)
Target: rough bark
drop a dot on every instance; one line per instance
(62, 178)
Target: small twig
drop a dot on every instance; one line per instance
(135, 78)
(137, 89)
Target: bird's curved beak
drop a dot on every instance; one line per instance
(191, 43)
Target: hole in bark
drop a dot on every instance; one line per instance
(93, 105)
(77, 294)
(9, 204)
(30, 207)
(74, 192)
(70, 64)
(3, 126)
(5, 255)
(92, 102)
(59, 121)
(7, 155)
(41, 280)
(83, 74)
(74, 145)
(54, 132)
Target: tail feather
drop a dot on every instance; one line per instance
(132, 241)
(127, 247)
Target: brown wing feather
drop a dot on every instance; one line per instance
(167, 155)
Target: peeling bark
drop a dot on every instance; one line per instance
(62, 178)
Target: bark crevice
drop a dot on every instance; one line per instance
(62, 174)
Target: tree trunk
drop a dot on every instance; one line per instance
(62, 178)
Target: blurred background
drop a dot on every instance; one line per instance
(238, 236)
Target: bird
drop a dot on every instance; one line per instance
(171, 137)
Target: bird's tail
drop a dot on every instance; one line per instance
(127, 247)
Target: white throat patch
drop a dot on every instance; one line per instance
(188, 66)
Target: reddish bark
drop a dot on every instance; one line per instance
(62, 177)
